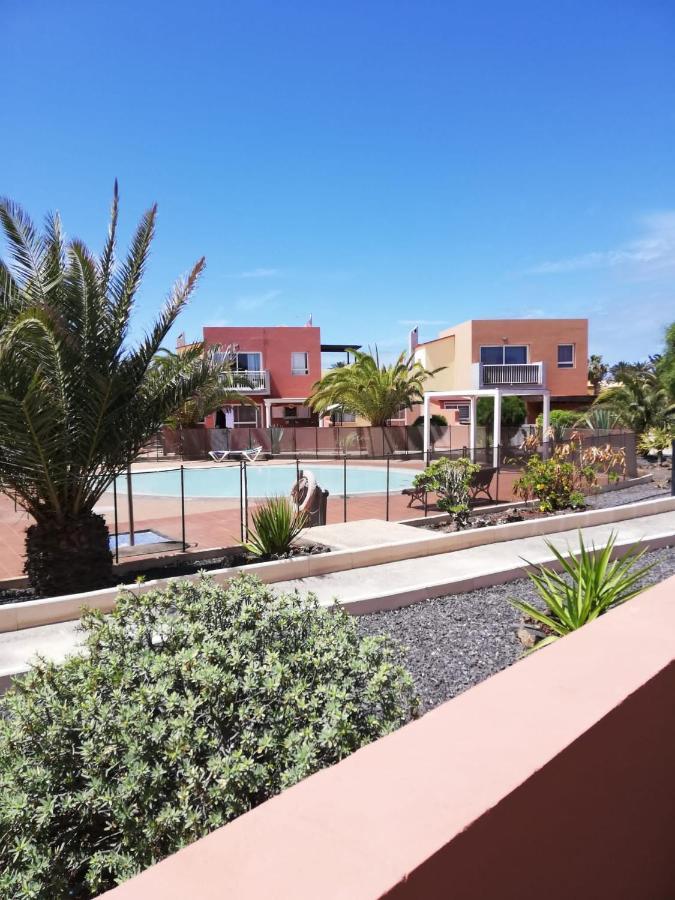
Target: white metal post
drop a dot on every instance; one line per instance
(496, 428)
(473, 406)
(268, 414)
(546, 414)
(427, 427)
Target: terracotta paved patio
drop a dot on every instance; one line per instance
(214, 522)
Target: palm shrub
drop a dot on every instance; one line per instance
(640, 401)
(188, 707)
(370, 389)
(77, 400)
(450, 480)
(656, 440)
(588, 585)
(276, 524)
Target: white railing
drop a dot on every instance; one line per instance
(256, 382)
(497, 375)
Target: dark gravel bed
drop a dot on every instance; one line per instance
(455, 642)
(648, 491)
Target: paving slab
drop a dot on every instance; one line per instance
(383, 586)
(364, 533)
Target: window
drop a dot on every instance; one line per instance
(245, 416)
(290, 412)
(300, 363)
(506, 354)
(463, 410)
(248, 362)
(565, 356)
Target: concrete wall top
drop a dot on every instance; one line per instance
(555, 775)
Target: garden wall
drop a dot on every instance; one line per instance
(554, 777)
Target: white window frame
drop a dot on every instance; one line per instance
(458, 406)
(503, 348)
(239, 406)
(298, 370)
(566, 365)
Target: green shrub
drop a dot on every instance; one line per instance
(588, 586)
(560, 420)
(191, 706)
(554, 482)
(435, 419)
(276, 524)
(450, 479)
(514, 411)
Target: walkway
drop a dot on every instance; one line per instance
(385, 586)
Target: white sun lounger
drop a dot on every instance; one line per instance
(249, 455)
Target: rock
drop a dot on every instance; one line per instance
(529, 635)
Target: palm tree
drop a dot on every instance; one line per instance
(77, 400)
(639, 401)
(371, 390)
(597, 369)
(218, 389)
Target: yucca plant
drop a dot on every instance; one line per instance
(77, 399)
(276, 524)
(589, 584)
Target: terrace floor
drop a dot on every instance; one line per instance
(216, 522)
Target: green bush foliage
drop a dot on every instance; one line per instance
(555, 482)
(450, 479)
(590, 584)
(436, 419)
(189, 707)
(276, 524)
(514, 411)
(560, 419)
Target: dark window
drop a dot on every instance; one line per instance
(565, 356)
(515, 356)
(506, 354)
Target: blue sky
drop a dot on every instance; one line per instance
(374, 164)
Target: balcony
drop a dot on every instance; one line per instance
(509, 375)
(257, 382)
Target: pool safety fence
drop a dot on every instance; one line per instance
(211, 505)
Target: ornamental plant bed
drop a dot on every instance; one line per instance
(175, 567)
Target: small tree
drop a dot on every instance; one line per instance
(450, 479)
(78, 400)
(514, 412)
(371, 389)
(188, 707)
(597, 369)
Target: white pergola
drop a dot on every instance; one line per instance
(472, 396)
(280, 401)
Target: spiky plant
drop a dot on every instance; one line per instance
(639, 401)
(370, 389)
(276, 524)
(77, 400)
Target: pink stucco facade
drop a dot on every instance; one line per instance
(276, 346)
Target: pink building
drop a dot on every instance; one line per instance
(281, 364)
(532, 354)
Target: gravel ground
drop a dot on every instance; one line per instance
(648, 491)
(457, 641)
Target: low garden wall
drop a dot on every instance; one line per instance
(30, 613)
(555, 776)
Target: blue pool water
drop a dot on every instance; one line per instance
(265, 480)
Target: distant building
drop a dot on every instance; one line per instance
(280, 365)
(550, 354)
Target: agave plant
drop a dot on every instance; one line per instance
(599, 418)
(370, 389)
(588, 585)
(276, 524)
(77, 400)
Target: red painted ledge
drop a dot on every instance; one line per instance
(555, 776)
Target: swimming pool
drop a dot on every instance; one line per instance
(265, 481)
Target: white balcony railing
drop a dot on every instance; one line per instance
(255, 382)
(531, 374)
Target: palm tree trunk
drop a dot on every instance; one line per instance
(67, 556)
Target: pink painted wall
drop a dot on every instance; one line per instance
(542, 337)
(554, 778)
(276, 345)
